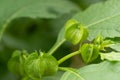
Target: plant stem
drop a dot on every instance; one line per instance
(68, 56)
(55, 47)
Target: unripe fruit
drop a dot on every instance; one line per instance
(74, 32)
(15, 64)
(89, 52)
(51, 64)
(34, 67)
(37, 66)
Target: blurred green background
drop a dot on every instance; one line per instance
(36, 34)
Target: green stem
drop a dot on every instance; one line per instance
(56, 46)
(68, 56)
(71, 70)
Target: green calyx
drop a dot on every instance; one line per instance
(70, 23)
(75, 32)
(98, 40)
(37, 66)
(51, 64)
(89, 52)
(101, 43)
(33, 66)
(16, 62)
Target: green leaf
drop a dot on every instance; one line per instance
(102, 43)
(115, 46)
(60, 40)
(116, 43)
(112, 56)
(71, 70)
(33, 9)
(86, 3)
(102, 71)
(57, 76)
(115, 39)
(101, 19)
(25, 78)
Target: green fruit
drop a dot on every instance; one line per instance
(34, 67)
(51, 64)
(15, 64)
(89, 52)
(70, 23)
(74, 32)
(84, 33)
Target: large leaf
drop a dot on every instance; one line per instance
(10, 9)
(102, 18)
(85, 3)
(55, 77)
(60, 40)
(89, 2)
(103, 71)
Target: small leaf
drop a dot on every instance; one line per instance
(115, 43)
(102, 43)
(105, 43)
(112, 56)
(115, 46)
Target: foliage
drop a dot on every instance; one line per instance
(103, 71)
(29, 28)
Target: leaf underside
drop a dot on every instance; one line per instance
(102, 18)
(103, 71)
